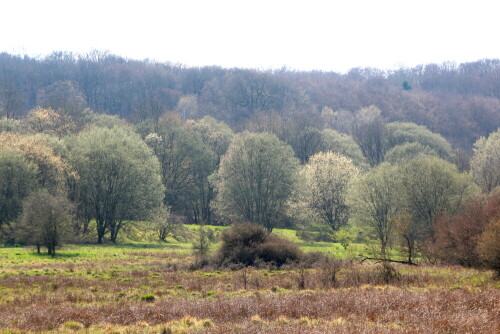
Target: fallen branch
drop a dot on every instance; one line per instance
(364, 258)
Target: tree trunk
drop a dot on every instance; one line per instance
(101, 230)
(410, 249)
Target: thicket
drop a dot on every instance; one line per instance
(469, 238)
(250, 244)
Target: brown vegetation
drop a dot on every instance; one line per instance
(455, 239)
(143, 292)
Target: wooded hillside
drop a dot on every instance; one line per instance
(460, 102)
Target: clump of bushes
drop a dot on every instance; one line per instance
(148, 298)
(469, 238)
(248, 244)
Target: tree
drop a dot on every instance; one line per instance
(63, 97)
(186, 162)
(255, 179)
(119, 177)
(188, 107)
(369, 131)
(305, 142)
(51, 169)
(300, 131)
(485, 164)
(489, 245)
(327, 177)
(217, 135)
(41, 120)
(399, 133)
(163, 224)
(46, 221)
(408, 151)
(9, 124)
(456, 237)
(250, 91)
(375, 203)
(17, 180)
(345, 145)
(430, 187)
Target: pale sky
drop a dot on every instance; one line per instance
(303, 35)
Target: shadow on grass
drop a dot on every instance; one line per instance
(137, 246)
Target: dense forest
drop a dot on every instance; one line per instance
(460, 102)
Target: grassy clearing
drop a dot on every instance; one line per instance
(137, 288)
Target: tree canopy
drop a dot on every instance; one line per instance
(485, 164)
(255, 179)
(119, 177)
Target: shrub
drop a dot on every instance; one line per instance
(148, 298)
(489, 246)
(250, 243)
(73, 325)
(455, 239)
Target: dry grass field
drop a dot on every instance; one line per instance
(123, 289)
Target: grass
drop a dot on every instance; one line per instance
(147, 288)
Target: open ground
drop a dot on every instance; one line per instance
(150, 288)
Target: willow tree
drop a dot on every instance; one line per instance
(375, 202)
(369, 131)
(345, 145)
(185, 165)
(119, 178)
(17, 180)
(46, 221)
(485, 164)
(430, 187)
(255, 179)
(327, 177)
(51, 169)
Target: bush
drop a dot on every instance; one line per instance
(249, 243)
(489, 246)
(148, 298)
(456, 237)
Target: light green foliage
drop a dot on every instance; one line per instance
(345, 237)
(9, 124)
(489, 245)
(46, 220)
(49, 121)
(327, 177)
(186, 162)
(375, 202)
(201, 243)
(430, 187)
(399, 133)
(408, 151)
(217, 135)
(17, 180)
(163, 226)
(119, 177)
(51, 168)
(255, 179)
(102, 120)
(343, 144)
(485, 164)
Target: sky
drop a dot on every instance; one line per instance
(334, 35)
